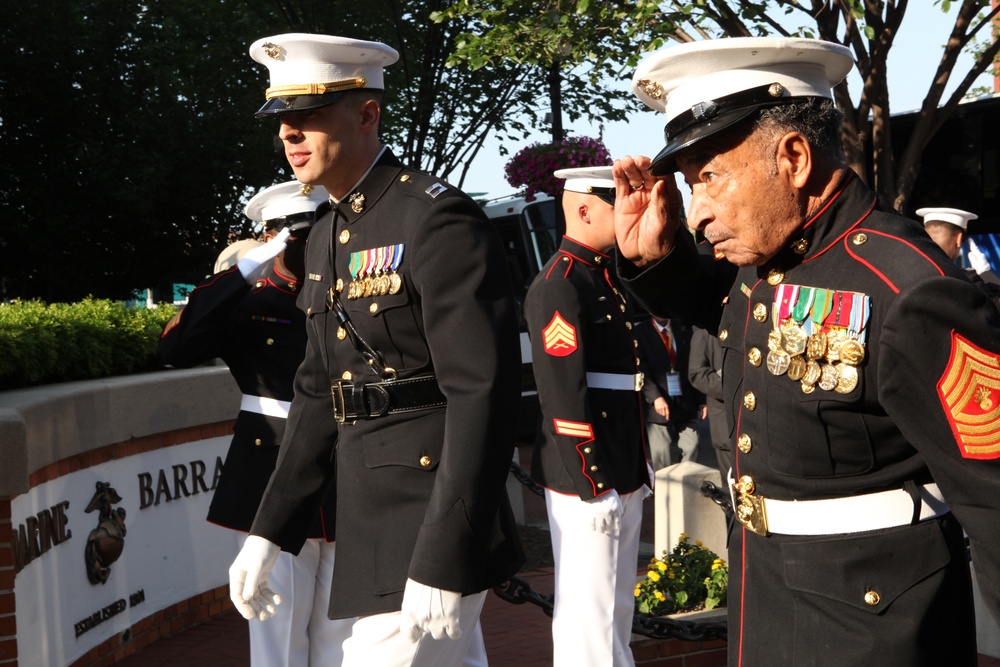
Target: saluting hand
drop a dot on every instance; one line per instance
(646, 211)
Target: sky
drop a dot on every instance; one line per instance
(912, 62)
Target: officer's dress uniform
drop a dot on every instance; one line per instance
(420, 275)
(260, 334)
(586, 370)
(910, 410)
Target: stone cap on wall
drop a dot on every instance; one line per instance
(42, 425)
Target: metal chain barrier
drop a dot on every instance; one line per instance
(525, 479)
(517, 591)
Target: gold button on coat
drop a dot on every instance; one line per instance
(744, 443)
(341, 333)
(749, 400)
(724, 334)
(270, 341)
(754, 357)
(425, 461)
(859, 239)
(746, 485)
(593, 468)
(775, 276)
(799, 247)
(347, 375)
(600, 485)
(628, 325)
(340, 282)
(345, 236)
(587, 450)
(872, 598)
(373, 308)
(258, 442)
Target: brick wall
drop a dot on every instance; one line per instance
(165, 622)
(679, 653)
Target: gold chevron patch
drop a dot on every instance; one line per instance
(969, 391)
(559, 337)
(574, 429)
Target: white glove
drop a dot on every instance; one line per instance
(252, 264)
(429, 610)
(977, 260)
(248, 587)
(607, 513)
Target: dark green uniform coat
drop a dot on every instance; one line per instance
(925, 409)
(420, 494)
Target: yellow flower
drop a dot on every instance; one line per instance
(638, 591)
(661, 566)
(654, 575)
(670, 575)
(660, 596)
(698, 542)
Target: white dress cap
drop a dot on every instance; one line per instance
(675, 79)
(586, 179)
(589, 180)
(285, 199)
(302, 64)
(955, 216)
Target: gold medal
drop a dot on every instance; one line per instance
(793, 338)
(829, 377)
(847, 379)
(852, 352)
(816, 347)
(834, 340)
(395, 283)
(777, 362)
(797, 368)
(351, 289)
(383, 285)
(812, 374)
(808, 388)
(774, 340)
(368, 285)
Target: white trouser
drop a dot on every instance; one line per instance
(594, 582)
(376, 642)
(301, 633)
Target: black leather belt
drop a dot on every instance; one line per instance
(377, 399)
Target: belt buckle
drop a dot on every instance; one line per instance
(640, 381)
(750, 510)
(339, 406)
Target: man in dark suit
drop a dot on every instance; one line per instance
(861, 368)
(410, 379)
(673, 407)
(590, 459)
(245, 315)
(705, 375)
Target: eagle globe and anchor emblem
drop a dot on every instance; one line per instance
(106, 542)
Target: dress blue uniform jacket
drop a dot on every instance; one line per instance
(592, 439)
(260, 334)
(421, 494)
(926, 408)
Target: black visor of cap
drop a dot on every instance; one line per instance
(707, 118)
(606, 194)
(299, 223)
(280, 105)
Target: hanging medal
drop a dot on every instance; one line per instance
(396, 258)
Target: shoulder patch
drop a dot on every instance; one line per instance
(559, 337)
(969, 391)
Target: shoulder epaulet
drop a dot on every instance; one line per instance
(425, 185)
(897, 257)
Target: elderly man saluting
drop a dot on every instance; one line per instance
(861, 367)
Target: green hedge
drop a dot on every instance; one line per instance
(46, 343)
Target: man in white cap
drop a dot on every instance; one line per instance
(591, 459)
(861, 367)
(246, 315)
(411, 375)
(948, 228)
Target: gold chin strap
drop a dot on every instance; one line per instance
(296, 89)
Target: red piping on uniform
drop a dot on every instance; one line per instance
(584, 245)
(170, 327)
(881, 275)
(829, 203)
(569, 265)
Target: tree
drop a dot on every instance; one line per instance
(867, 27)
(130, 146)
